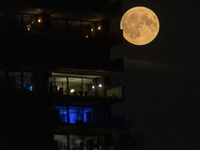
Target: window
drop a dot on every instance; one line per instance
(63, 113)
(75, 114)
(76, 142)
(83, 114)
(74, 86)
(22, 80)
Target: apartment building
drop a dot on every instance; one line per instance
(55, 74)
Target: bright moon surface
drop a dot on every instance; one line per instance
(140, 25)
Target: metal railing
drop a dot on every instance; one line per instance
(89, 90)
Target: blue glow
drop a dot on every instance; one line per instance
(76, 114)
(63, 113)
(30, 88)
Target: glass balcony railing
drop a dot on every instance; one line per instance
(87, 90)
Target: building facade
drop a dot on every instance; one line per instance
(55, 75)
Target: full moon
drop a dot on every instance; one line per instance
(140, 25)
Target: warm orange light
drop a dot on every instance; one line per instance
(99, 28)
(92, 30)
(28, 27)
(39, 20)
(140, 25)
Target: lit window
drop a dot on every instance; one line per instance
(63, 113)
(28, 27)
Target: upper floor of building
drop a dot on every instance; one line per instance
(74, 19)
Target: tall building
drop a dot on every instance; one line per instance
(55, 74)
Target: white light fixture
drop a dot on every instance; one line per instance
(99, 28)
(39, 20)
(100, 85)
(93, 87)
(72, 91)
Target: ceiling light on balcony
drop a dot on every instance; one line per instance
(72, 91)
(39, 20)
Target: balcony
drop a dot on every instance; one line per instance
(85, 90)
(88, 117)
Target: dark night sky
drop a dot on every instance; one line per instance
(177, 42)
(161, 79)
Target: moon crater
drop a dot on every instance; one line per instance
(140, 25)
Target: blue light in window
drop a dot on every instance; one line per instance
(63, 113)
(76, 114)
(30, 88)
(73, 117)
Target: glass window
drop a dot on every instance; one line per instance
(63, 113)
(88, 87)
(88, 115)
(77, 142)
(75, 114)
(16, 79)
(75, 86)
(62, 141)
(84, 114)
(61, 84)
(27, 77)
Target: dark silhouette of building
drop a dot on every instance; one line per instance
(55, 72)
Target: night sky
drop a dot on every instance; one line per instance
(161, 79)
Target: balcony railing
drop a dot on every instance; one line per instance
(114, 121)
(86, 90)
